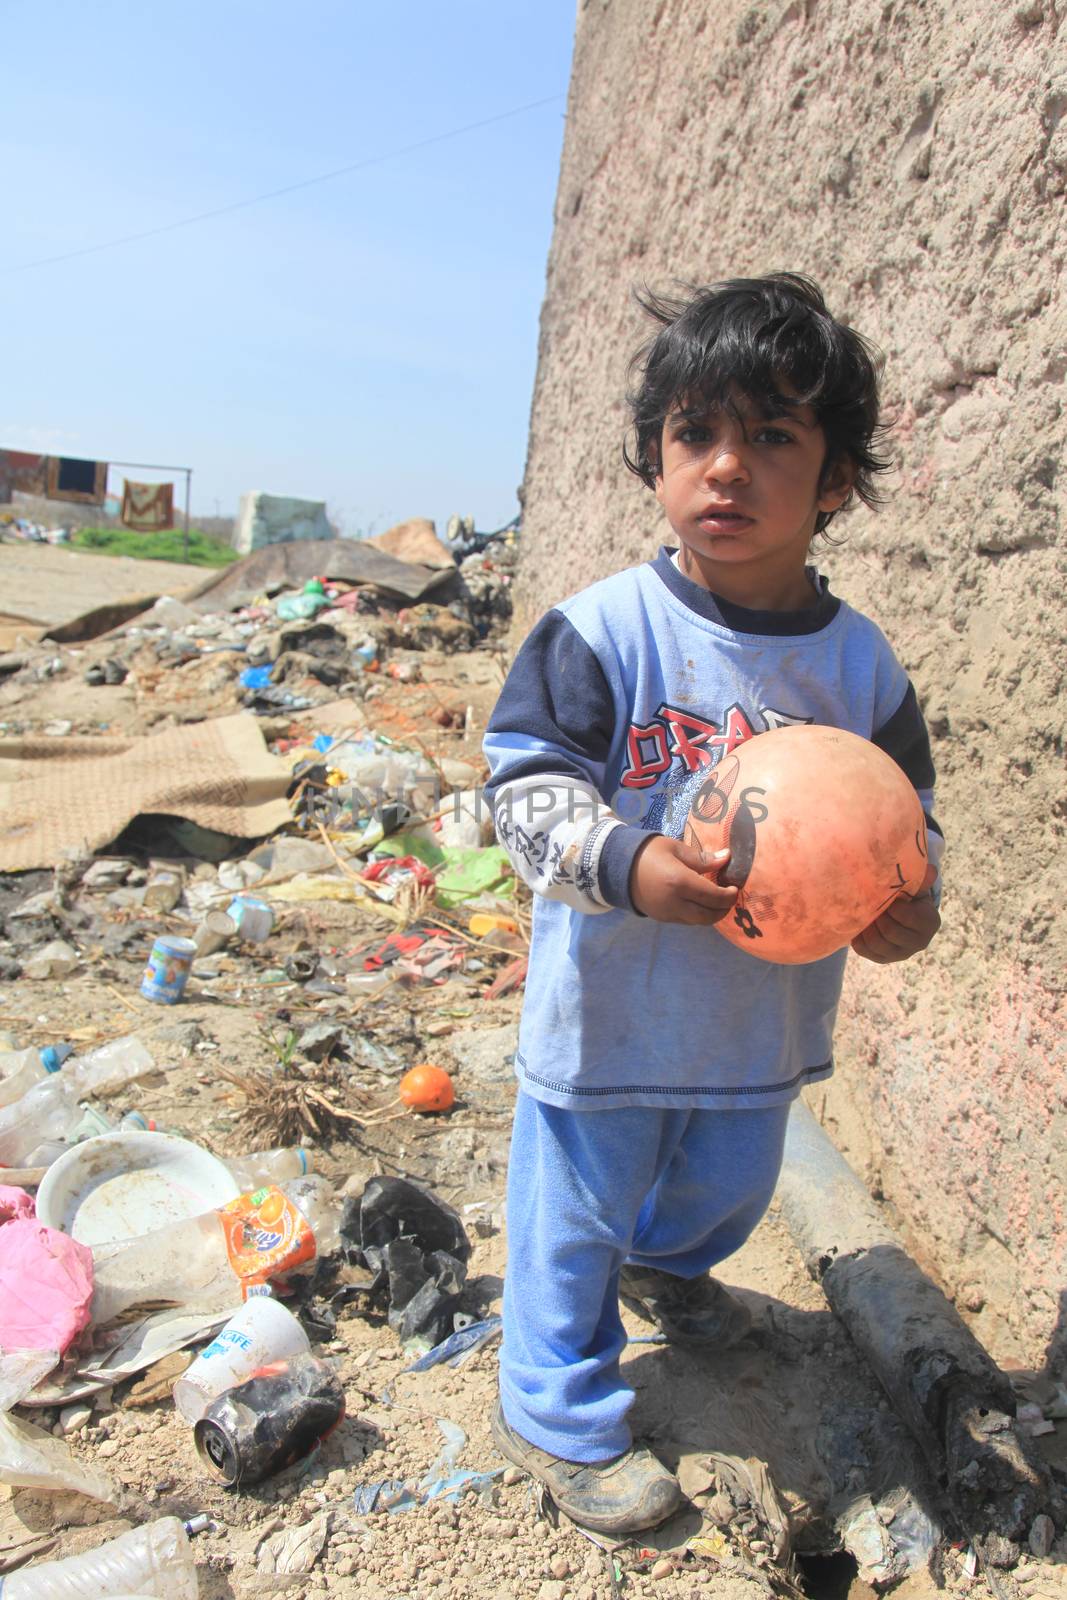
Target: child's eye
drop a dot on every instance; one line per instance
(692, 433)
(774, 436)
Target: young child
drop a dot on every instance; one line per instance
(657, 1061)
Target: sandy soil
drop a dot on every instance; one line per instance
(51, 583)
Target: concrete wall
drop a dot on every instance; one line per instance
(912, 158)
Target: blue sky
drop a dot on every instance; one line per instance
(368, 341)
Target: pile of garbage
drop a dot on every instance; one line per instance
(274, 636)
(140, 1244)
(286, 844)
(12, 527)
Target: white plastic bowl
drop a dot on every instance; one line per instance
(121, 1185)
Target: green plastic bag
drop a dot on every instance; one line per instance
(464, 873)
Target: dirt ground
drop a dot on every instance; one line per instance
(48, 584)
(794, 1395)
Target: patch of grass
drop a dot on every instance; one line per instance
(167, 545)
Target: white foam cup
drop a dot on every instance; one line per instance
(261, 1332)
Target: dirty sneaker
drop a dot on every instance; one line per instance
(630, 1492)
(687, 1310)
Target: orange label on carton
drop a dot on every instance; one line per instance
(266, 1236)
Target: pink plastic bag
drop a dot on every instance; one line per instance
(46, 1280)
(15, 1203)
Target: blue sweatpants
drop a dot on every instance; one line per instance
(587, 1191)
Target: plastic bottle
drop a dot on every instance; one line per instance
(49, 1109)
(21, 1069)
(269, 1166)
(90, 1123)
(217, 1260)
(153, 1560)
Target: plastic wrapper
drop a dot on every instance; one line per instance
(33, 1459)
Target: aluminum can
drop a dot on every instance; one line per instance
(167, 970)
(215, 932)
(275, 1418)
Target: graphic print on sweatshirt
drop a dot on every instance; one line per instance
(677, 741)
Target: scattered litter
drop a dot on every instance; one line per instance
(33, 1459)
(252, 918)
(441, 1482)
(169, 964)
(213, 1261)
(46, 1286)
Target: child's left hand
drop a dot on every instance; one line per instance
(904, 928)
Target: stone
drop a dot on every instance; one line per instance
(72, 1419)
(559, 1566)
(663, 1568)
(1042, 1533)
(57, 959)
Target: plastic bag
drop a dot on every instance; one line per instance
(418, 1247)
(46, 1286)
(33, 1459)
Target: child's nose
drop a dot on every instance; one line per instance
(726, 463)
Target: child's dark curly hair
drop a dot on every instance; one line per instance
(753, 336)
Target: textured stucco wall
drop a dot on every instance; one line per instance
(912, 157)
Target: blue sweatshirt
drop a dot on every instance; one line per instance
(616, 699)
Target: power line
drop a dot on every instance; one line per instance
(289, 188)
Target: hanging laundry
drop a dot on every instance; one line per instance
(70, 478)
(22, 471)
(147, 506)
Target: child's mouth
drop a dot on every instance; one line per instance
(724, 521)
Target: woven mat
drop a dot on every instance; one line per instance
(61, 795)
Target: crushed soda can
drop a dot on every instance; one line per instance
(167, 970)
(253, 918)
(274, 1419)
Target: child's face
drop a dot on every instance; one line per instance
(742, 492)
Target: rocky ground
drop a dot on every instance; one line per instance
(795, 1395)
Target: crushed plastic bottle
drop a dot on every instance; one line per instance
(49, 1109)
(215, 1261)
(21, 1069)
(90, 1124)
(155, 1560)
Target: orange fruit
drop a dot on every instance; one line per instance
(427, 1088)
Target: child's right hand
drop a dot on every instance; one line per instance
(669, 882)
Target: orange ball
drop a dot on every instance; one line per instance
(427, 1088)
(824, 831)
